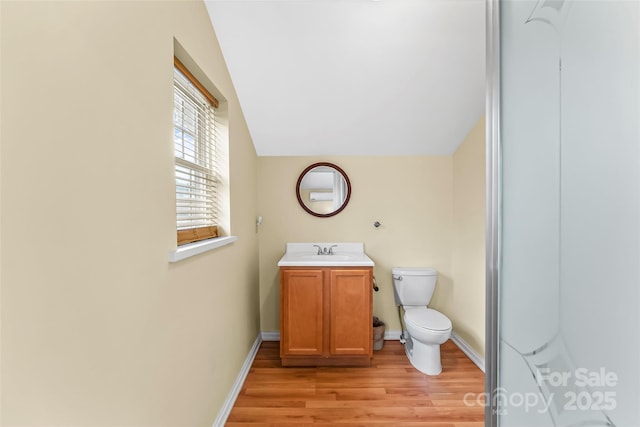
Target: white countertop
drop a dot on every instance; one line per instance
(344, 255)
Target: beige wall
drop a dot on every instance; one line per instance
(466, 308)
(97, 327)
(410, 196)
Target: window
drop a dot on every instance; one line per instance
(195, 136)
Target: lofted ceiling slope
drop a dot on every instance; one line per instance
(355, 77)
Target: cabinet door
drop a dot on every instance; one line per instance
(351, 328)
(302, 310)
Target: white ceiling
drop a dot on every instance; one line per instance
(355, 77)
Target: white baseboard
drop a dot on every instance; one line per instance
(468, 350)
(270, 335)
(392, 335)
(224, 412)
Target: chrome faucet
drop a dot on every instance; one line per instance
(325, 251)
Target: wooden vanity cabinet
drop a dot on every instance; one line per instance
(326, 316)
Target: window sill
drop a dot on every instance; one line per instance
(196, 248)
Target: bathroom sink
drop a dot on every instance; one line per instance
(333, 257)
(343, 254)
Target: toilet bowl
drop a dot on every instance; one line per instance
(426, 329)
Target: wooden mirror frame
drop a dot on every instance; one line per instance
(346, 199)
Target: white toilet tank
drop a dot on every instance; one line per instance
(413, 286)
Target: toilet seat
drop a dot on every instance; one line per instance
(427, 319)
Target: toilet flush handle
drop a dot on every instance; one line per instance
(397, 278)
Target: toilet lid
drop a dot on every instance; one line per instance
(427, 318)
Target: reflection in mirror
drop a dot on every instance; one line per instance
(323, 189)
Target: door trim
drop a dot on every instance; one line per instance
(493, 211)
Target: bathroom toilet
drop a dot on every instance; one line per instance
(426, 329)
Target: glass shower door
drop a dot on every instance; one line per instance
(567, 274)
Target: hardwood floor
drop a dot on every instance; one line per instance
(389, 393)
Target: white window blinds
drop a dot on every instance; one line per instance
(195, 139)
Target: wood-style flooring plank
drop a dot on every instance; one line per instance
(390, 392)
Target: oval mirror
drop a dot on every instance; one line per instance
(323, 189)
